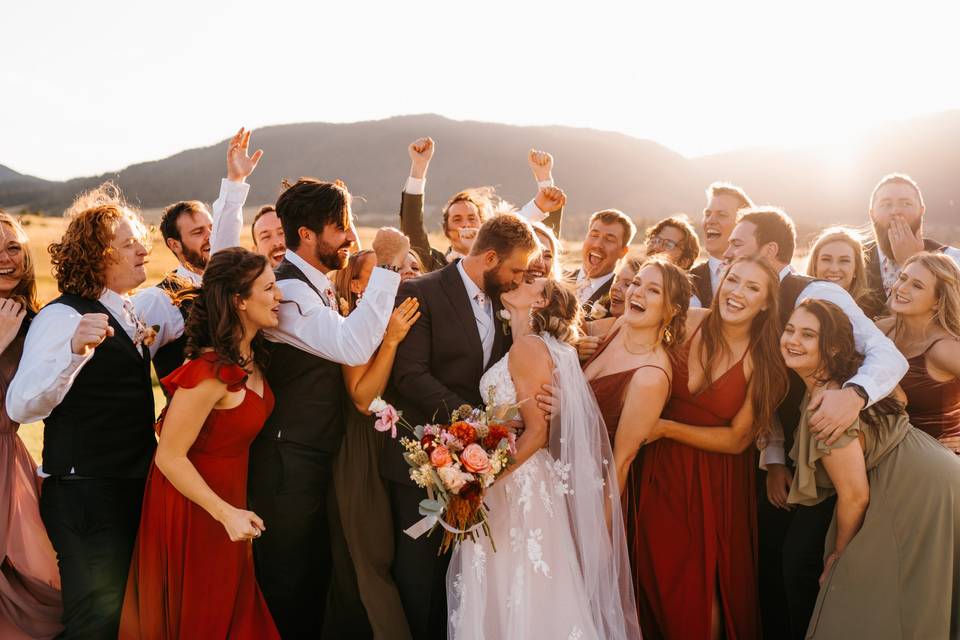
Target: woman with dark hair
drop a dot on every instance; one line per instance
(363, 596)
(674, 238)
(189, 577)
(30, 605)
(698, 555)
(891, 568)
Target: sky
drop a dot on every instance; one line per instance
(108, 83)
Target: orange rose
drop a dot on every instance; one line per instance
(475, 459)
(440, 457)
(464, 432)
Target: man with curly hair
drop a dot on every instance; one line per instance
(89, 381)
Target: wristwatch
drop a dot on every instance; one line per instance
(860, 392)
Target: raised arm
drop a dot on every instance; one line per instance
(185, 416)
(411, 203)
(228, 207)
(368, 381)
(411, 370)
(547, 206)
(733, 439)
(646, 396)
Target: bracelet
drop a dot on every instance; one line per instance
(389, 267)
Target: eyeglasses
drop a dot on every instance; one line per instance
(664, 243)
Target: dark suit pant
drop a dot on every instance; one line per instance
(803, 561)
(92, 524)
(288, 487)
(419, 573)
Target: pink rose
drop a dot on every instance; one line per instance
(387, 420)
(440, 457)
(475, 459)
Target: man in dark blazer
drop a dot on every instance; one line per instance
(437, 369)
(724, 200)
(468, 209)
(896, 212)
(608, 240)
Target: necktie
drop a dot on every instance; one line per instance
(484, 323)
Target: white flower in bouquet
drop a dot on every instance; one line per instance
(378, 405)
(453, 478)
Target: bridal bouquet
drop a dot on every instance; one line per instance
(455, 463)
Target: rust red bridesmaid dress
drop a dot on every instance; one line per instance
(692, 516)
(187, 580)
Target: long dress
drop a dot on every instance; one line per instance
(899, 577)
(363, 599)
(697, 520)
(610, 391)
(187, 580)
(933, 405)
(531, 586)
(30, 605)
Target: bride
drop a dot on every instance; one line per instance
(560, 569)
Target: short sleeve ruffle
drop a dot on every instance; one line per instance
(195, 371)
(811, 484)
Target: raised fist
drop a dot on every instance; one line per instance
(420, 152)
(239, 163)
(391, 246)
(541, 163)
(93, 329)
(550, 199)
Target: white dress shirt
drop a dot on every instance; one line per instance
(482, 313)
(153, 304)
(586, 287)
(311, 324)
(883, 365)
(37, 389)
(716, 266)
(530, 211)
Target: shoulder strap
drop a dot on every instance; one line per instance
(286, 270)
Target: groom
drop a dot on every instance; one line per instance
(437, 369)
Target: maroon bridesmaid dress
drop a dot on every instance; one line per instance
(187, 580)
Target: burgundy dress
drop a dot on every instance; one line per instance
(932, 405)
(696, 520)
(187, 580)
(610, 391)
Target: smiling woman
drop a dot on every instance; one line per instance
(837, 256)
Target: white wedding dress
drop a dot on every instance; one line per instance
(559, 570)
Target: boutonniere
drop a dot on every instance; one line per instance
(144, 335)
(504, 316)
(598, 310)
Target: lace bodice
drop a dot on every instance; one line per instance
(496, 385)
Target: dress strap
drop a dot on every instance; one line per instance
(655, 366)
(602, 346)
(935, 343)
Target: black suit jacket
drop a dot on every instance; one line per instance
(874, 277)
(440, 362)
(601, 295)
(702, 283)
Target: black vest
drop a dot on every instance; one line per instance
(789, 410)
(702, 283)
(103, 427)
(309, 390)
(170, 356)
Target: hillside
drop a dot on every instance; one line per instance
(598, 169)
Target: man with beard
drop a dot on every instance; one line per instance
(719, 219)
(791, 539)
(896, 211)
(608, 240)
(267, 235)
(291, 459)
(191, 234)
(438, 369)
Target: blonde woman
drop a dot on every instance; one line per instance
(837, 256)
(925, 326)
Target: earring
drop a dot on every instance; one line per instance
(666, 336)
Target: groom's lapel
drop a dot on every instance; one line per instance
(452, 285)
(501, 341)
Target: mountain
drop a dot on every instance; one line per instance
(597, 169)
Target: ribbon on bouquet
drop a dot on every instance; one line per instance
(431, 510)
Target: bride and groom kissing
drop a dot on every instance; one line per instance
(560, 568)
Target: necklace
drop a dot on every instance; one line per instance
(643, 349)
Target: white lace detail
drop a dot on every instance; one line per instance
(535, 552)
(576, 634)
(545, 498)
(496, 385)
(479, 563)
